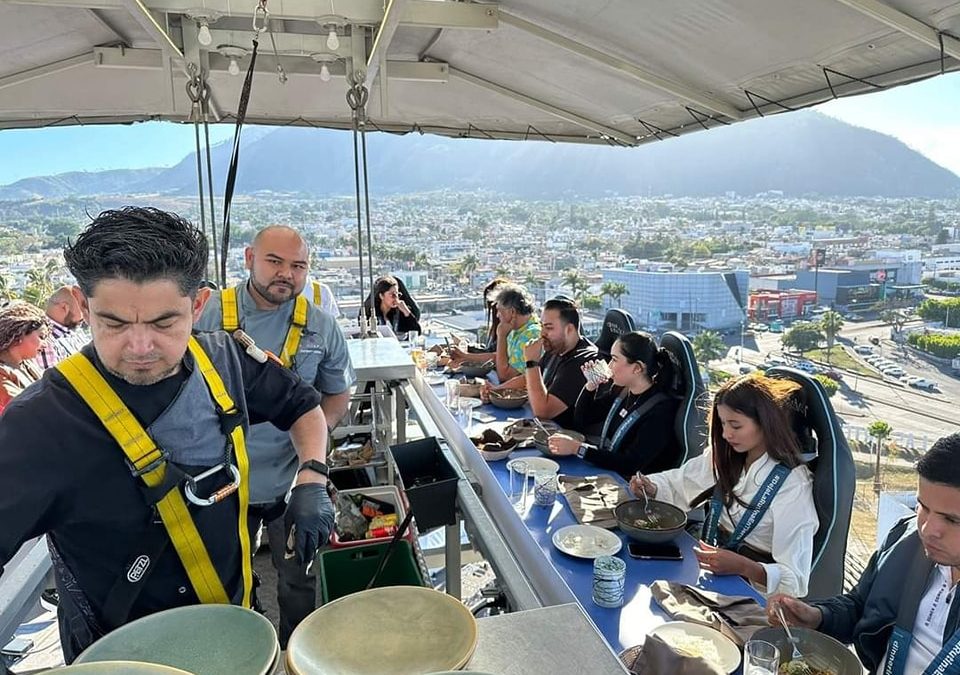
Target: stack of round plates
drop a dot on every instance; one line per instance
(205, 639)
(396, 630)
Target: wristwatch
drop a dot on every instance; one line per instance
(532, 364)
(582, 451)
(315, 465)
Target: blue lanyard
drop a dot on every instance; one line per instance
(624, 427)
(946, 662)
(758, 506)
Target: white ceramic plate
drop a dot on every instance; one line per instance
(586, 541)
(675, 633)
(535, 464)
(474, 402)
(434, 379)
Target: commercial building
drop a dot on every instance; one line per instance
(771, 305)
(688, 301)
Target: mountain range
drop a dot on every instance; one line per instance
(801, 154)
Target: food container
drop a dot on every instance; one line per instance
(665, 522)
(508, 398)
(385, 493)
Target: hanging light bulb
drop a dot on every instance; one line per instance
(203, 35)
(333, 40)
(324, 73)
(234, 67)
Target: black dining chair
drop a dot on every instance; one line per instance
(834, 481)
(616, 322)
(690, 424)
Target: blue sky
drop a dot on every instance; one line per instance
(922, 115)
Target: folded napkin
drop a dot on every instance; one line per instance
(736, 616)
(593, 498)
(656, 657)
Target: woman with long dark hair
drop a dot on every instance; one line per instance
(488, 348)
(393, 306)
(635, 400)
(23, 328)
(761, 518)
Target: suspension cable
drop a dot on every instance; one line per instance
(357, 96)
(205, 111)
(194, 88)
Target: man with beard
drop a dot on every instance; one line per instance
(130, 455)
(271, 309)
(66, 332)
(902, 616)
(553, 372)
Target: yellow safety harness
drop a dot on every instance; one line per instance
(150, 464)
(231, 322)
(317, 293)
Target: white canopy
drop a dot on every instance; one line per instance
(613, 71)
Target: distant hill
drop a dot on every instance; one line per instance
(115, 181)
(802, 153)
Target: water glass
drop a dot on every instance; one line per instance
(465, 416)
(609, 577)
(544, 488)
(760, 658)
(518, 468)
(452, 390)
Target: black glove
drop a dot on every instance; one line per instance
(308, 521)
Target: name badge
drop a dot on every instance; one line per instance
(623, 412)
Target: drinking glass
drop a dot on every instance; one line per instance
(760, 658)
(544, 488)
(452, 391)
(466, 414)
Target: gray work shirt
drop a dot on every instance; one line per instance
(322, 360)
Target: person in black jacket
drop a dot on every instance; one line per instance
(902, 616)
(637, 408)
(394, 306)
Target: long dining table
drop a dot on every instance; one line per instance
(622, 627)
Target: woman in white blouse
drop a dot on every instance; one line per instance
(762, 518)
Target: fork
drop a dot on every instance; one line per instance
(793, 640)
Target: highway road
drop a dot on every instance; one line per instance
(862, 400)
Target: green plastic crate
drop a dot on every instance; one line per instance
(348, 570)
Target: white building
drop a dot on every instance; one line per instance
(687, 301)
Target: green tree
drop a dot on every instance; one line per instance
(941, 310)
(576, 282)
(880, 431)
(803, 337)
(830, 386)
(591, 301)
(709, 346)
(614, 290)
(40, 283)
(465, 268)
(6, 292)
(830, 323)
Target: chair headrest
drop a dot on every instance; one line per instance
(616, 322)
(691, 423)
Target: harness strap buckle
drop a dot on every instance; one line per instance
(152, 465)
(217, 496)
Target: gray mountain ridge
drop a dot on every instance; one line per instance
(804, 153)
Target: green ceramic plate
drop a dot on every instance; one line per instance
(206, 639)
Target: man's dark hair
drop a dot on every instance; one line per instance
(941, 463)
(138, 244)
(569, 312)
(514, 297)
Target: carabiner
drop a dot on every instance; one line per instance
(260, 11)
(217, 496)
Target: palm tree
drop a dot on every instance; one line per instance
(830, 323)
(40, 285)
(614, 290)
(576, 281)
(501, 270)
(879, 430)
(709, 346)
(6, 293)
(466, 267)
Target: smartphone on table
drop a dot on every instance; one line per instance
(654, 551)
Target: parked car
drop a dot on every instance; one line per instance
(807, 366)
(863, 349)
(833, 374)
(875, 340)
(922, 383)
(746, 368)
